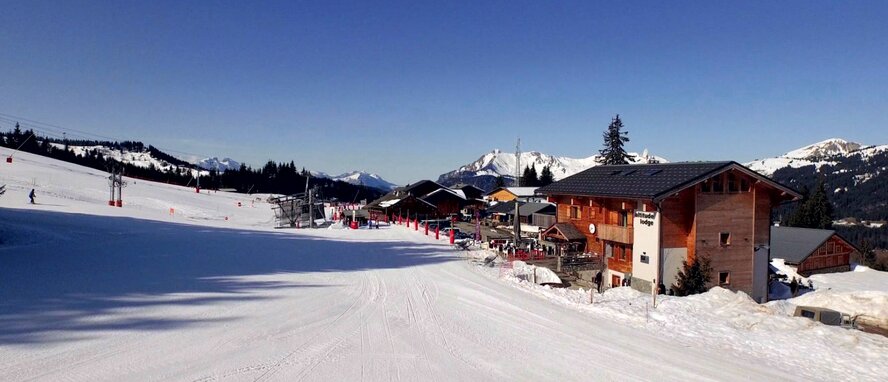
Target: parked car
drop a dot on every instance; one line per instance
(446, 231)
(823, 315)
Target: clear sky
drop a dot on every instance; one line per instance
(411, 90)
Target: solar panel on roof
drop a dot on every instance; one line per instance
(628, 172)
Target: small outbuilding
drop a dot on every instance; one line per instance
(811, 251)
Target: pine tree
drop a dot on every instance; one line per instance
(693, 276)
(821, 209)
(532, 179)
(614, 138)
(525, 177)
(546, 177)
(814, 211)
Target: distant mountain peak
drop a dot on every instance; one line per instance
(824, 149)
(484, 171)
(360, 178)
(220, 165)
(825, 152)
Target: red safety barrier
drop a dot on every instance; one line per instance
(416, 224)
(451, 236)
(426, 228)
(437, 232)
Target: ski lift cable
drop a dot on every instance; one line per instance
(35, 125)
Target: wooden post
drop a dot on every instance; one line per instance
(654, 293)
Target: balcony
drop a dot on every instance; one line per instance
(614, 233)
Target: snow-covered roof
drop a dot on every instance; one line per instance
(389, 203)
(522, 191)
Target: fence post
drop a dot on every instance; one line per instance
(654, 292)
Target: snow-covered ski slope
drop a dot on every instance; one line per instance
(91, 293)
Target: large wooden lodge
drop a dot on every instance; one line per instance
(645, 219)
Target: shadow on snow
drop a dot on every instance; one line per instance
(74, 273)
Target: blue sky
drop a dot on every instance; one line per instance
(411, 90)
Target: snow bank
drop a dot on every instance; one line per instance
(732, 322)
(870, 303)
(541, 275)
(862, 278)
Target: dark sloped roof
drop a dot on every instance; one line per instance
(528, 209)
(568, 231)
(442, 194)
(794, 245)
(422, 188)
(503, 208)
(645, 181)
(470, 191)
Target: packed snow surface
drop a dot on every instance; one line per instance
(178, 285)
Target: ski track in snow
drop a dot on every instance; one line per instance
(90, 292)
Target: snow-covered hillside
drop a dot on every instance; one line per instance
(360, 178)
(498, 163)
(178, 285)
(221, 165)
(142, 158)
(827, 152)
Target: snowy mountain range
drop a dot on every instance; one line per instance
(360, 178)
(828, 152)
(484, 171)
(145, 158)
(220, 165)
(854, 175)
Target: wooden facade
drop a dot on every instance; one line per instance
(834, 255)
(725, 217)
(613, 226)
(502, 195)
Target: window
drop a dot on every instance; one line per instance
(645, 258)
(574, 212)
(724, 239)
(608, 250)
(622, 251)
(732, 183)
(717, 185)
(830, 248)
(706, 187)
(623, 219)
(724, 278)
(744, 185)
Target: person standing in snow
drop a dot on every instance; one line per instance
(32, 196)
(598, 281)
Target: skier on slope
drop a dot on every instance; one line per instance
(32, 196)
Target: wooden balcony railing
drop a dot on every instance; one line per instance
(615, 233)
